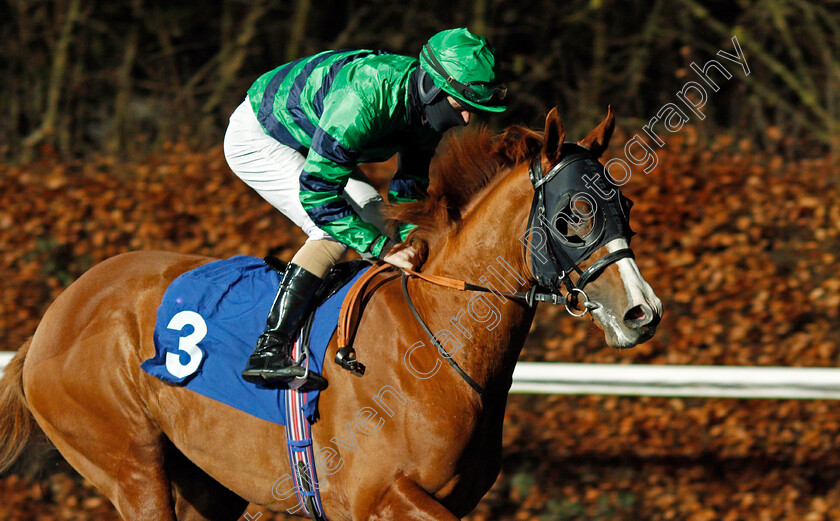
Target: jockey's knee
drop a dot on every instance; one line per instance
(318, 256)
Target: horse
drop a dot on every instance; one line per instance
(408, 440)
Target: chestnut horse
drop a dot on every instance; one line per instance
(408, 440)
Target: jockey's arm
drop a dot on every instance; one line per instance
(345, 125)
(410, 181)
(321, 185)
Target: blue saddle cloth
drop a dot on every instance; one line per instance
(208, 323)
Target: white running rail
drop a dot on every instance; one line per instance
(678, 380)
(666, 380)
(5, 358)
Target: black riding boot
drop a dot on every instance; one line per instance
(272, 361)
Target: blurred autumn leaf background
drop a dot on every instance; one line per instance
(113, 119)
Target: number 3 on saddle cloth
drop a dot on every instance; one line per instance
(207, 324)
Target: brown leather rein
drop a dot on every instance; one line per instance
(351, 308)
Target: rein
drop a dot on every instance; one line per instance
(480, 390)
(531, 297)
(553, 274)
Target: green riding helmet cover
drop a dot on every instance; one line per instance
(461, 64)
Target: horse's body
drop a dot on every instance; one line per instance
(83, 385)
(402, 442)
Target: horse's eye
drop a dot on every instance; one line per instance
(572, 226)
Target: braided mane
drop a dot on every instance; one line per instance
(468, 163)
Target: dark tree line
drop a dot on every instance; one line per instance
(124, 75)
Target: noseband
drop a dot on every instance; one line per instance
(556, 256)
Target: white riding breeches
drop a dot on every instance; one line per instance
(273, 170)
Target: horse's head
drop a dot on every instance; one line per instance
(576, 243)
(579, 236)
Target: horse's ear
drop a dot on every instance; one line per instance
(554, 136)
(599, 138)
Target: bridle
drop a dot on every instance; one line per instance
(553, 261)
(550, 263)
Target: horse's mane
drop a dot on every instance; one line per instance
(468, 163)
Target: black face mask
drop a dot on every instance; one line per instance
(441, 115)
(574, 179)
(431, 104)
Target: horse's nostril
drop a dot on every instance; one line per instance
(635, 313)
(638, 316)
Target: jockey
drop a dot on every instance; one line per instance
(303, 129)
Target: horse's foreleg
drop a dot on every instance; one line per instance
(198, 497)
(405, 501)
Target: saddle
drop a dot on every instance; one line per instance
(208, 319)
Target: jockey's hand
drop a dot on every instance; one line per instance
(404, 258)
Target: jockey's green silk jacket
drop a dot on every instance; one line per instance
(339, 109)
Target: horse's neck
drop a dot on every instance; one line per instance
(486, 250)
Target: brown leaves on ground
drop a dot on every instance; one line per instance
(741, 246)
